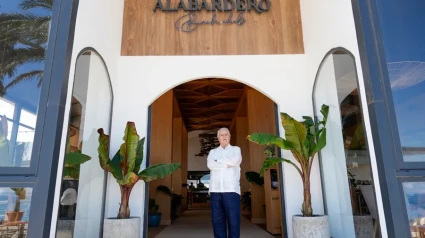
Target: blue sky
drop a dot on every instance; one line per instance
(25, 92)
(403, 30)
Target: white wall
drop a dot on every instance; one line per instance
(328, 24)
(142, 80)
(138, 81)
(98, 25)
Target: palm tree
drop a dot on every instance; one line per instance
(23, 39)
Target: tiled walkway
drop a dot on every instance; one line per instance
(197, 223)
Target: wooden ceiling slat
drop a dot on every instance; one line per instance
(208, 103)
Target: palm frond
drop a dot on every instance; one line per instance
(2, 89)
(17, 57)
(35, 74)
(30, 4)
(23, 38)
(20, 27)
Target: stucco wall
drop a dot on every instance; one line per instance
(329, 24)
(286, 79)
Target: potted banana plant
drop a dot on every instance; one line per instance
(16, 214)
(304, 139)
(125, 168)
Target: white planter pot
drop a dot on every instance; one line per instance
(363, 225)
(310, 227)
(122, 228)
(65, 228)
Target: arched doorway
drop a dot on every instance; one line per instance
(182, 126)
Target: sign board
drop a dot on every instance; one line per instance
(211, 27)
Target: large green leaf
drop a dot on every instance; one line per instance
(321, 141)
(310, 144)
(295, 133)
(254, 177)
(103, 151)
(74, 158)
(158, 171)
(129, 179)
(271, 162)
(128, 148)
(115, 164)
(267, 139)
(308, 121)
(139, 155)
(325, 113)
(321, 133)
(70, 172)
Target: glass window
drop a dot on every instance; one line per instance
(24, 31)
(414, 195)
(82, 189)
(346, 171)
(14, 211)
(402, 26)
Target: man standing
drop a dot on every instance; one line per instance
(224, 163)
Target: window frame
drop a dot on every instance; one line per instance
(391, 167)
(41, 175)
(57, 38)
(375, 35)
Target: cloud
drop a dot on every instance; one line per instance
(405, 74)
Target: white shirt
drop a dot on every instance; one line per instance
(223, 179)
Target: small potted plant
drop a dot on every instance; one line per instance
(125, 168)
(16, 214)
(304, 139)
(154, 217)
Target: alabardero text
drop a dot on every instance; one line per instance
(213, 5)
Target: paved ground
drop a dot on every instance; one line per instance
(197, 223)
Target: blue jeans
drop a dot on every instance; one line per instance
(225, 211)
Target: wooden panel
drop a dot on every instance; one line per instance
(273, 207)
(261, 114)
(233, 135)
(161, 149)
(260, 119)
(184, 166)
(241, 141)
(176, 108)
(276, 31)
(177, 153)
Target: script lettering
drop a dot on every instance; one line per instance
(190, 22)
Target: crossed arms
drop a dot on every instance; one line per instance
(226, 162)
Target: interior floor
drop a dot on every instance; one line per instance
(197, 223)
